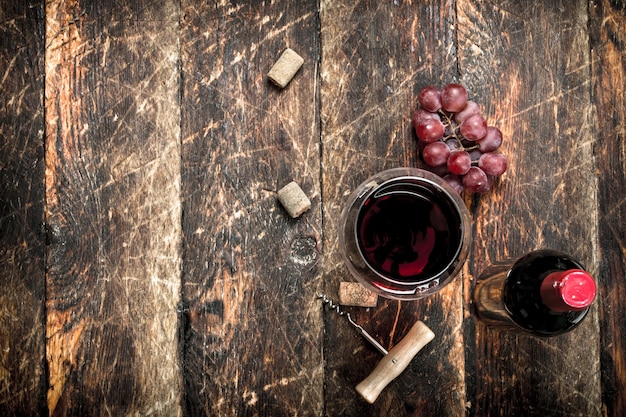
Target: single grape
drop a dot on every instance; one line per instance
(476, 180)
(430, 98)
(429, 129)
(453, 98)
(474, 127)
(421, 115)
(491, 141)
(459, 162)
(435, 153)
(470, 109)
(475, 154)
(455, 181)
(453, 144)
(494, 164)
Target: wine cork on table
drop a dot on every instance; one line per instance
(294, 199)
(396, 361)
(356, 295)
(285, 68)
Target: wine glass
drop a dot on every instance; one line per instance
(404, 233)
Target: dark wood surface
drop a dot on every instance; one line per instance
(147, 268)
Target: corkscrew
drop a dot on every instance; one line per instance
(358, 327)
(394, 362)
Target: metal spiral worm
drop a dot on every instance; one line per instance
(331, 304)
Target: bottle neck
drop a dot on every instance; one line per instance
(570, 290)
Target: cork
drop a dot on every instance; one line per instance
(285, 68)
(354, 294)
(294, 199)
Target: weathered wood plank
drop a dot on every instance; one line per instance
(252, 338)
(376, 58)
(608, 49)
(528, 63)
(113, 207)
(22, 198)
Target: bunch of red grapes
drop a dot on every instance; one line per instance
(455, 141)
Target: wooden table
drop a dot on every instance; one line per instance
(146, 267)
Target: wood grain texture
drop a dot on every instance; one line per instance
(22, 243)
(251, 341)
(147, 268)
(113, 207)
(608, 46)
(376, 57)
(528, 64)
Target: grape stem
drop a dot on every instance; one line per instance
(456, 134)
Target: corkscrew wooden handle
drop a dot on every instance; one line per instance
(396, 361)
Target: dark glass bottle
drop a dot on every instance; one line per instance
(545, 293)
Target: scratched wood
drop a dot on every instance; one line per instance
(22, 291)
(146, 267)
(528, 63)
(376, 56)
(608, 41)
(113, 207)
(251, 335)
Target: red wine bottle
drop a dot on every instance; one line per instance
(545, 293)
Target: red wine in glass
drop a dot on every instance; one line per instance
(404, 233)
